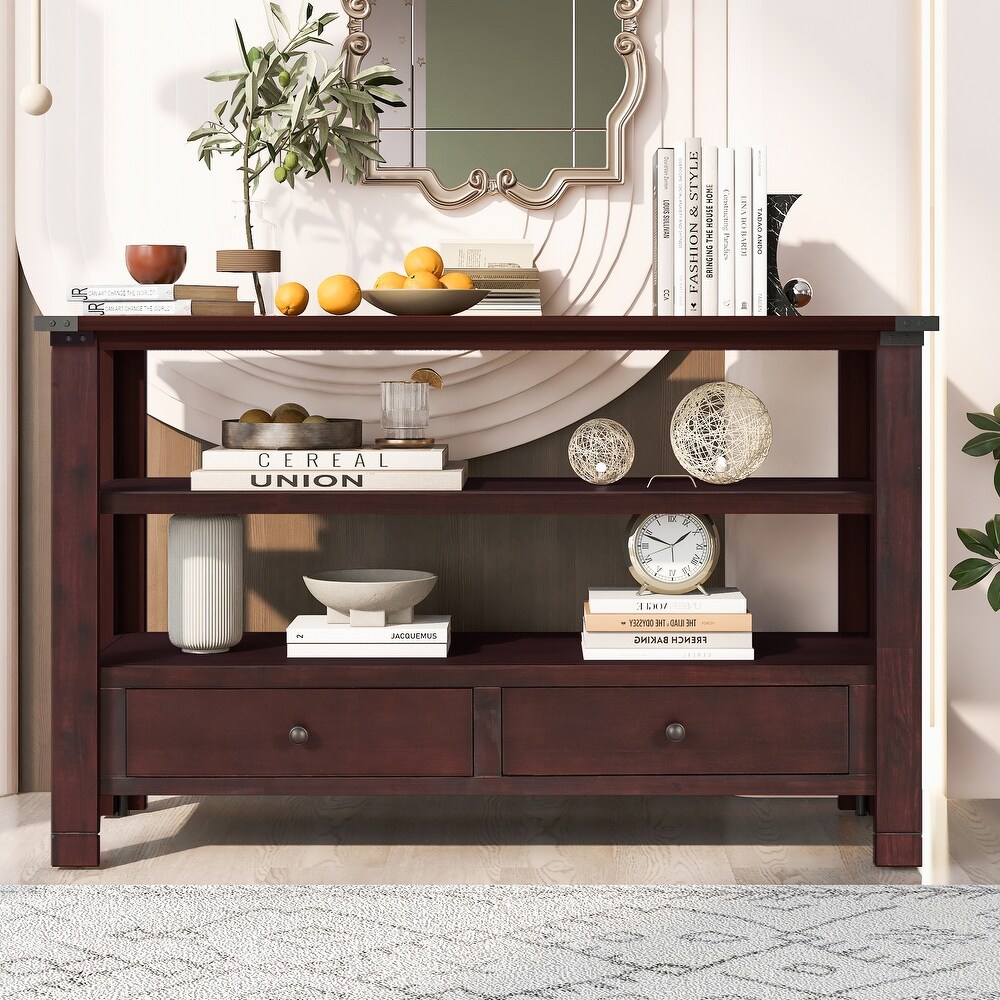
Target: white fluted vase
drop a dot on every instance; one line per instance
(205, 581)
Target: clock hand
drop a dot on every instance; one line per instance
(681, 539)
(655, 539)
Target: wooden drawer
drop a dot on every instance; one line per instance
(727, 730)
(211, 732)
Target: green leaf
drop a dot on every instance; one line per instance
(993, 531)
(969, 572)
(282, 20)
(299, 107)
(271, 26)
(977, 541)
(996, 411)
(386, 96)
(984, 421)
(224, 77)
(993, 594)
(243, 47)
(996, 479)
(982, 444)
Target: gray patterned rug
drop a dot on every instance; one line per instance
(500, 942)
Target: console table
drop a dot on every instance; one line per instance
(506, 713)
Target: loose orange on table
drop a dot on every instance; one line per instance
(339, 294)
(291, 298)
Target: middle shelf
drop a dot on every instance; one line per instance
(505, 496)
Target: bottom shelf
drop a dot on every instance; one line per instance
(147, 659)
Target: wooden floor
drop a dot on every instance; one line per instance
(495, 840)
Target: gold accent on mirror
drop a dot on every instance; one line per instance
(470, 129)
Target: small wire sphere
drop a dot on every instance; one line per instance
(721, 432)
(601, 451)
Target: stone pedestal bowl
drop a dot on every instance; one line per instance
(369, 597)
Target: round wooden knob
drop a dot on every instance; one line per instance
(298, 735)
(675, 732)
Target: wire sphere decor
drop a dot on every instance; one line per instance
(601, 451)
(721, 432)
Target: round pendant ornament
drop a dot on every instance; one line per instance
(721, 432)
(601, 451)
(672, 553)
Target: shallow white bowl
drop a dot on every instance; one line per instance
(423, 301)
(387, 591)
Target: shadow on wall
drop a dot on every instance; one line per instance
(832, 273)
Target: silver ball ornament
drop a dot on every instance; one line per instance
(601, 451)
(798, 291)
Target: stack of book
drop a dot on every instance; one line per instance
(505, 268)
(313, 635)
(245, 470)
(160, 300)
(710, 230)
(620, 625)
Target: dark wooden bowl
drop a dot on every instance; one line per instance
(155, 263)
(338, 432)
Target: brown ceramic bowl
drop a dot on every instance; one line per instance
(155, 263)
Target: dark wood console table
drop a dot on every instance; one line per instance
(507, 713)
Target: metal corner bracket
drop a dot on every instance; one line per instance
(64, 331)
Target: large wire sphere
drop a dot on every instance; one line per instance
(601, 451)
(721, 432)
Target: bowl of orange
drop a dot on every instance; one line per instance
(424, 289)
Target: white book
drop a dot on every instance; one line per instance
(140, 307)
(622, 600)
(315, 629)
(668, 641)
(725, 230)
(451, 478)
(742, 185)
(692, 226)
(361, 650)
(666, 654)
(709, 231)
(759, 226)
(392, 459)
(459, 254)
(663, 232)
(678, 149)
(149, 293)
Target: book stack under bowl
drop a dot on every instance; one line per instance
(618, 624)
(313, 636)
(255, 471)
(505, 268)
(160, 300)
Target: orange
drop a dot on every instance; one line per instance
(429, 376)
(291, 298)
(389, 280)
(339, 294)
(422, 279)
(455, 279)
(424, 259)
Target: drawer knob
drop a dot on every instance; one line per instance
(675, 732)
(298, 735)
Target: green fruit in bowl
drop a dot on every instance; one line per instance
(256, 416)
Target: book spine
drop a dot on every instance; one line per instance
(676, 605)
(744, 263)
(663, 235)
(396, 635)
(679, 228)
(667, 654)
(692, 227)
(452, 478)
(137, 308)
(360, 650)
(709, 231)
(668, 640)
(667, 623)
(121, 293)
(759, 249)
(725, 241)
(393, 460)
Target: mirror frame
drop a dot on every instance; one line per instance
(506, 184)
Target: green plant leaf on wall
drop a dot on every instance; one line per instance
(984, 421)
(978, 542)
(969, 572)
(993, 531)
(982, 444)
(993, 594)
(996, 479)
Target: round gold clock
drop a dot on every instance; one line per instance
(672, 553)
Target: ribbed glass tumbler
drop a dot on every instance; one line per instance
(405, 410)
(205, 582)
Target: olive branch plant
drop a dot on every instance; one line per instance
(985, 544)
(290, 107)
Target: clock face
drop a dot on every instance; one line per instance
(673, 553)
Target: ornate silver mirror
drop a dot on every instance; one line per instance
(519, 98)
